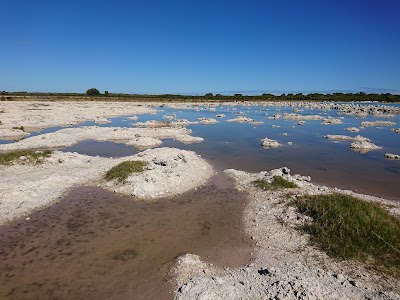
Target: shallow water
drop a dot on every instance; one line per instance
(330, 163)
(95, 244)
(102, 149)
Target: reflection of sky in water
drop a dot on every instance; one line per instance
(233, 145)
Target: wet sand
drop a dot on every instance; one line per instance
(95, 244)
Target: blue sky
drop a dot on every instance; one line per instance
(200, 46)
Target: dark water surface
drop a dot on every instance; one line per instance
(95, 244)
(102, 149)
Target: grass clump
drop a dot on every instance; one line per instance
(277, 183)
(350, 228)
(124, 169)
(27, 155)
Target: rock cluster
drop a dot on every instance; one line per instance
(268, 143)
(392, 156)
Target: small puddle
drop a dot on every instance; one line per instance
(102, 149)
(96, 244)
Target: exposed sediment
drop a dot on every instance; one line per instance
(377, 123)
(168, 172)
(27, 187)
(359, 143)
(285, 265)
(42, 114)
(138, 137)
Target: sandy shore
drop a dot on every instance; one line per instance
(285, 266)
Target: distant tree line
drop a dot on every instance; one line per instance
(337, 97)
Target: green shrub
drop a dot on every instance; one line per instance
(124, 169)
(350, 228)
(31, 156)
(92, 92)
(277, 183)
(19, 128)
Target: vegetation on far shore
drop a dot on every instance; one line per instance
(94, 94)
(124, 169)
(277, 183)
(346, 227)
(30, 156)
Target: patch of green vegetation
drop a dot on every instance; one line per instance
(19, 128)
(124, 169)
(350, 228)
(277, 183)
(30, 156)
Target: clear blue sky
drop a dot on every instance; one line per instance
(199, 46)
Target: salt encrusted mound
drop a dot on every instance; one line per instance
(331, 121)
(353, 129)
(268, 143)
(338, 137)
(183, 122)
(285, 265)
(153, 124)
(241, 119)
(363, 145)
(26, 187)
(377, 123)
(12, 134)
(169, 172)
(207, 121)
(42, 114)
(359, 143)
(392, 156)
(298, 117)
(244, 119)
(138, 137)
(396, 130)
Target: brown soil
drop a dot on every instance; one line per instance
(95, 244)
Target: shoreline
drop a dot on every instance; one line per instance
(284, 264)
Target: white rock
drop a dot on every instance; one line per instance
(268, 143)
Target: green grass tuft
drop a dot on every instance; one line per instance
(124, 169)
(277, 183)
(350, 228)
(31, 156)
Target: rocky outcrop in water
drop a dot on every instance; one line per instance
(268, 143)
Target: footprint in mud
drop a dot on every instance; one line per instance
(126, 255)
